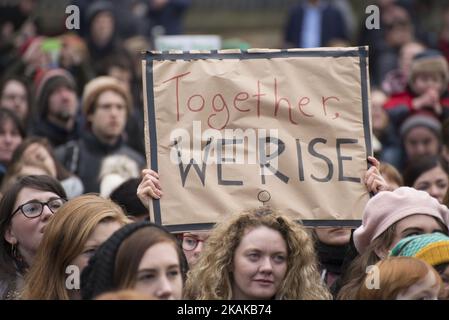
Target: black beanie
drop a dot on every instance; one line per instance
(98, 276)
(125, 196)
(51, 81)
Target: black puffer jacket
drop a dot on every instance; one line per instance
(56, 135)
(83, 157)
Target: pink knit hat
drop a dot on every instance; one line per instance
(388, 207)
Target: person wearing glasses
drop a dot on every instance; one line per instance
(71, 238)
(25, 210)
(193, 241)
(193, 244)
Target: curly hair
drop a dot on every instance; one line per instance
(210, 278)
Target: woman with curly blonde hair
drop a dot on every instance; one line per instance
(258, 254)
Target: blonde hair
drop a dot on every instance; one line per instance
(63, 240)
(210, 278)
(396, 274)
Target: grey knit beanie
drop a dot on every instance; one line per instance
(421, 120)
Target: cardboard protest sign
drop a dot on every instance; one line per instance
(230, 130)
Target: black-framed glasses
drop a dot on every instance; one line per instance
(189, 243)
(34, 208)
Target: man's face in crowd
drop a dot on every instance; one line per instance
(109, 118)
(62, 104)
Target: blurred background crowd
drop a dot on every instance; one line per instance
(71, 108)
(111, 34)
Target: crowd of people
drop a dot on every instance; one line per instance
(75, 189)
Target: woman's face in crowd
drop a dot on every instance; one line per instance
(425, 289)
(159, 272)
(25, 232)
(259, 264)
(99, 235)
(10, 138)
(421, 141)
(334, 236)
(193, 244)
(414, 225)
(36, 152)
(102, 28)
(14, 97)
(434, 182)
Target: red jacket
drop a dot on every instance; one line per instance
(399, 107)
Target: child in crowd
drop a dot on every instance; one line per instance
(427, 88)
